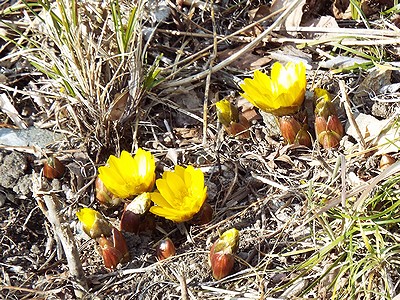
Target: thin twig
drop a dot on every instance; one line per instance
(182, 281)
(208, 78)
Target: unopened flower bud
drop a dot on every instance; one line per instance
(104, 196)
(222, 253)
(113, 249)
(293, 131)
(303, 137)
(329, 139)
(289, 128)
(134, 213)
(233, 122)
(53, 168)
(93, 223)
(165, 249)
(227, 113)
(328, 128)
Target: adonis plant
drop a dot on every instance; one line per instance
(328, 128)
(128, 176)
(282, 94)
(181, 194)
(112, 243)
(233, 122)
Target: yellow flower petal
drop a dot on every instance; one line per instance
(280, 94)
(171, 214)
(166, 192)
(87, 216)
(159, 200)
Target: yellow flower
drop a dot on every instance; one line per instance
(282, 93)
(180, 195)
(93, 223)
(128, 176)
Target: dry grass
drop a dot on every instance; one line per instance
(314, 223)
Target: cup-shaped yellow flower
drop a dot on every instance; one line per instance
(181, 193)
(128, 176)
(280, 94)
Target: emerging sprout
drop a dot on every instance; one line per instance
(165, 249)
(293, 131)
(233, 122)
(53, 168)
(222, 253)
(328, 128)
(113, 249)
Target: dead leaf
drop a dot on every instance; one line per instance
(290, 53)
(294, 19)
(8, 108)
(342, 8)
(322, 22)
(381, 133)
(255, 15)
(188, 136)
(314, 8)
(247, 109)
(342, 62)
(259, 13)
(118, 106)
(372, 7)
(377, 78)
(172, 155)
(188, 133)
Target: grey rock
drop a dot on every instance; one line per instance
(12, 168)
(28, 137)
(24, 185)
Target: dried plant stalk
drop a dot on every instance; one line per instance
(50, 206)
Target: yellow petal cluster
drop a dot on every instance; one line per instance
(128, 176)
(226, 112)
(181, 193)
(282, 93)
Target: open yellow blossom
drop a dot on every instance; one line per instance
(282, 93)
(93, 223)
(128, 176)
(181, 193)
